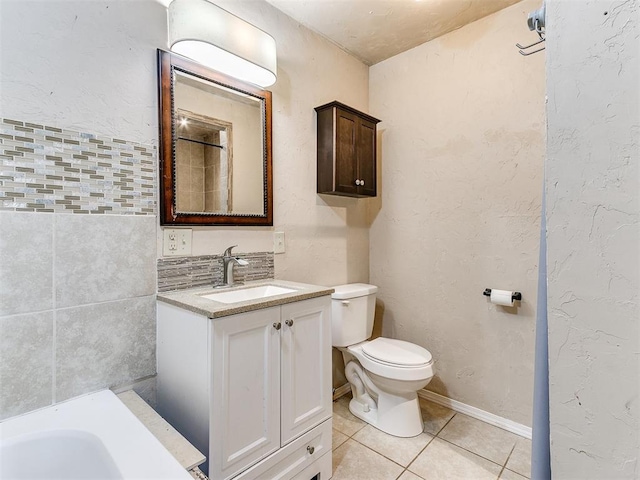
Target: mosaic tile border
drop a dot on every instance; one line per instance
(54, 170)
(178, 273)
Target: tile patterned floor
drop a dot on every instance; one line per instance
(453, 446)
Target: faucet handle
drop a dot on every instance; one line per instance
(227, 252)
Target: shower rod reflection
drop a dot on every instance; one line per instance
(201, 142)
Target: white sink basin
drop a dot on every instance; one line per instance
(246, 294)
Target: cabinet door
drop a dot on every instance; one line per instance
(345, 168)
(245, 412)
(306, 393)
(366, 152)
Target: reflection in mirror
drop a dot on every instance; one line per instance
(203, 167)
(220, 148)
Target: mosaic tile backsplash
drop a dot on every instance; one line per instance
(186, 272)
(48, 169)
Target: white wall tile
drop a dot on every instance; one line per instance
(104, 345)
(103, 258)
(26, 273)
(26, 362)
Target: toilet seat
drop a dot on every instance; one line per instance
(391, 368)
(396, 353)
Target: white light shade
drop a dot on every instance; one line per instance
(217, 39)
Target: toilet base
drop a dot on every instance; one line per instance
(397, 415)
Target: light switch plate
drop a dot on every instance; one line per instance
(176, 242)
(278, 242)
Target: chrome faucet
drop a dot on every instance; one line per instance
(228, 261)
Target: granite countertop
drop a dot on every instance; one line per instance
(192, 299)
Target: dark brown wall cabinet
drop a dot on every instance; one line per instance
(346, 151)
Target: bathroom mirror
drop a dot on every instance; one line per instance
(215, 147)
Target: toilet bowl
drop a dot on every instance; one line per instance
(385, 374)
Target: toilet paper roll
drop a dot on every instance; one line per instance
(502, 297)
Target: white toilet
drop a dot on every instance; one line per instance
(384, 374)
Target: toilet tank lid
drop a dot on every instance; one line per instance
(353, 290)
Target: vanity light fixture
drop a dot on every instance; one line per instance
(204, 32)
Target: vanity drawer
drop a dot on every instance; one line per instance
(318, 470)
(293, 459)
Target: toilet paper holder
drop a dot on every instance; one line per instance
(514, 297)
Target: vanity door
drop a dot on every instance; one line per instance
(245, 413)
(306, 393)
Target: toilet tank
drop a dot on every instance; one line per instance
(353, 308)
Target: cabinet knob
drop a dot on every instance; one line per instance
(277, 325)
(310, 449)
(357, 182)
(288, 323)
(362, 182)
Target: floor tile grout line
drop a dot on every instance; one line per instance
(445, 425)
(504, 467)
(390, 459)
(384, 456)
(433, 437)
(501, 471)
(376, 452)
(381, 454)
(470, 451)
(510, 453)
(517, 473)
(476, 454)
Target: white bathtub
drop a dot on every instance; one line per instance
(90, 437)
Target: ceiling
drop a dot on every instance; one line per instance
(374, 30)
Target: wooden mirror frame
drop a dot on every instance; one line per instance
(167, 63)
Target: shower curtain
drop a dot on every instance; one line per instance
(540, 449)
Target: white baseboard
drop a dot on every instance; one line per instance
(340, 391)
(490, 418)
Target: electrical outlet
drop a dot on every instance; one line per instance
(278, 242)
(177, 242)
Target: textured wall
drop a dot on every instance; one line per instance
(593, 214)
(462, 154)
(87, 66)
(326, 238)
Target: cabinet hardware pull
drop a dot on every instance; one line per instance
(357, 182)
(288, 323)
(310, 449)
(362, 183)
(277, 326)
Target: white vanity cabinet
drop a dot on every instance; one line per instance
(251, 389)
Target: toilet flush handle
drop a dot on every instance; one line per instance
(345, 303)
